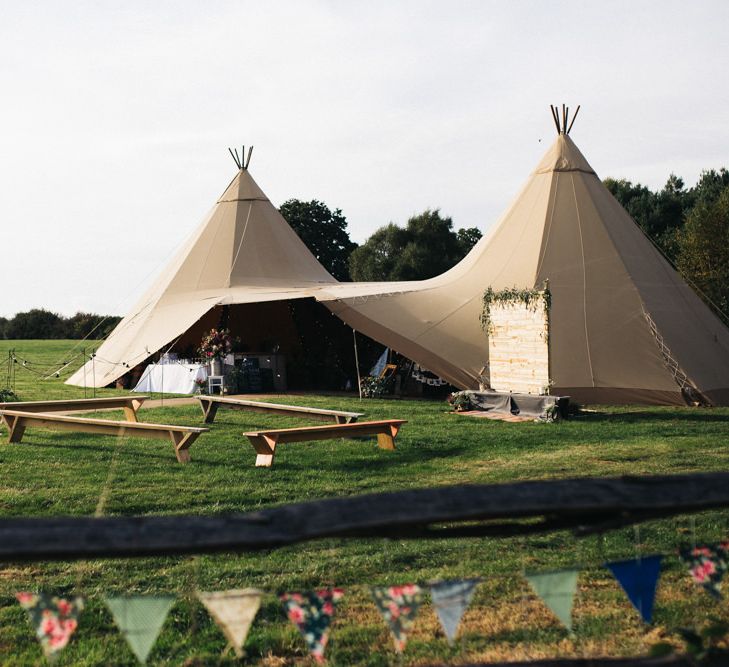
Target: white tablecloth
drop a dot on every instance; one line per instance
(171, 378)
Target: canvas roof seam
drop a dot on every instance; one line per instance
(584, 282)
(242, 238)
(546, 235)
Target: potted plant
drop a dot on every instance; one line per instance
(460, 400)
(213, 347)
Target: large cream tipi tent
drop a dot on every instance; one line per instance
(624, 326)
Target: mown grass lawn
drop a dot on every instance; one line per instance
(61, 473)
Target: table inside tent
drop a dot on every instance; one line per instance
(173, 378)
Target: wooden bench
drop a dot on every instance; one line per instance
(264, 442)
(130, 405)
(181, 436)
(210, 405)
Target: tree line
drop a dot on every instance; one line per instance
(39, 323)
(690, 225)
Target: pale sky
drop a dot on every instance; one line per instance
(116, 116)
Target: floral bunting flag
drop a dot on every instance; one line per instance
(234, 612)
(639, 578)
(398, 606)
(140, 619)
(54, 618)
(451, 599)
(557, 590)
(707, 564)
(311, 612)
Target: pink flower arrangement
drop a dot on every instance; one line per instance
(216, 344)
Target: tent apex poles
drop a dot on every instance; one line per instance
(235, 157)
(555, 117)
(241, 161)
(563, 125)
(573, 118)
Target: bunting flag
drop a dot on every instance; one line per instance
(54, 618)
(639, 578)
(557, 590)
(451, 599)
(398, 606)
(707, 564)
(234, 612)
(140, 619)
(311, 612)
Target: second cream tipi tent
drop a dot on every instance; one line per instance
(624, 326)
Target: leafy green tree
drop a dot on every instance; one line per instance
(37, 323)
(661, 214)
(81, 325)
(426, 247)
(323, 231)
(468, 237)
(703, 249)
(3, 327)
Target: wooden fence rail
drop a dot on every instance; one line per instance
(586, 505)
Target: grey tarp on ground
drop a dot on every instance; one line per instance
(524, 405)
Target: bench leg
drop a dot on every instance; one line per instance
(181, 443)
(342, 419)
(210, 409)
(16, 428)
(387, 440)
(265, 450)
(130, 414)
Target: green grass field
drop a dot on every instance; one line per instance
(61, 473)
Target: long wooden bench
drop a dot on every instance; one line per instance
(181, 436)
(210, 405)
(265, 442)
(130, 405)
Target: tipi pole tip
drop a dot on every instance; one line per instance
(555, 118)
(577, 110)
(563, 124)
(248, 160)
(235, 157)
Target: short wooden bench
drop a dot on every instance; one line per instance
(181, 436)
(130, 405)
(210, 405)
(264, 442)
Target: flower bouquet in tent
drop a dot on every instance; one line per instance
(215, 345)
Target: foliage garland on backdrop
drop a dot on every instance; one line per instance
(140, 618)
(531, 299)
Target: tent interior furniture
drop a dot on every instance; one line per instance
(216, 381)
(181, 436)
(264, 442)
(130, 405)
(210, 405)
